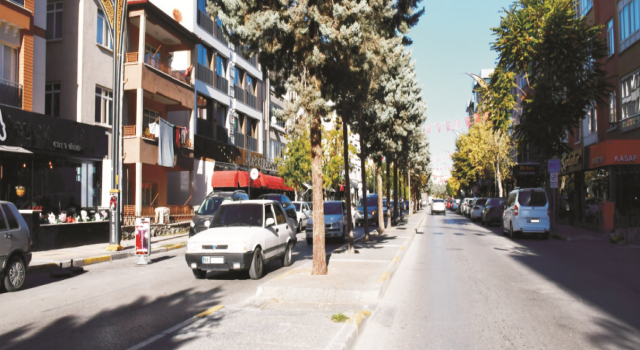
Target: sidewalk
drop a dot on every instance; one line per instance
(295, 310)
(97, 253)
(565, 232)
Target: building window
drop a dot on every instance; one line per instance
(585, 6)
(152, 56)
(221, 66)
(239, 78)
(203, 56)
(249, 84)
(629, 19)
(149, 193)
(54, 20)
(52, 99)
(220, 112)
(104, 105)
(104, 34)
(612, 109)
(8, 64)
(593, 120)
(611, 38)
(149, 117)
(629, 100)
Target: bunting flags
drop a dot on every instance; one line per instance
(439, 127)
(428, 128)
(456, 124)
(448, 126)
(467, 121)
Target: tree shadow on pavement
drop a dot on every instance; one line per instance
(118, 328)
(39, 279)
(599, 274)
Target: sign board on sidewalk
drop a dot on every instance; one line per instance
(143, 236)
(554, 166)
(554, 180)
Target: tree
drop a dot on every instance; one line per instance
(559, 54)
(295, 167)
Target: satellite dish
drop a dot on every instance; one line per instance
(254, 174)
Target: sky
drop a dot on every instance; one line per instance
(451, 39)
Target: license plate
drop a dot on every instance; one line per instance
(212, 260)
(534, 221)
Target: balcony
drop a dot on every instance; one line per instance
(220, 83)
(238, 139)
(210, 26)
(242, 52)
(246, 97)
(252, 144)
(212, 130)
(161, 66)
(10, 94)
(204, 74)
(590, 139)
(239, 93)
(279, 123)
(630, 123)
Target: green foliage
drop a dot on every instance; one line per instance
(295, 168)
(558, 53)
(497, 99)
(339, 318)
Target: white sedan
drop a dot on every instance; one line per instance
(242, 236)
(303, 213)
(437, 206)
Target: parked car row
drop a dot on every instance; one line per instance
(524, 211)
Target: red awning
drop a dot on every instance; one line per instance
(240, 179)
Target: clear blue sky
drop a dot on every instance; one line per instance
(452, 38)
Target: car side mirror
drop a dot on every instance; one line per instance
(270, 222)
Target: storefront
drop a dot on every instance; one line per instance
(570, 186)
(612, 173)
(50, 163)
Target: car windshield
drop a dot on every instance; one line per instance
(532, 198)
(210, 205)
(332, 208)
(238, 215)
(275, 198)
(371, 202)
(298, 206)
(498, 202)
(481, 202)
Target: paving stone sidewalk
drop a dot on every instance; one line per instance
(294, 310)
(97, 253)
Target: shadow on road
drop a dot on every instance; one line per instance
(118, 328)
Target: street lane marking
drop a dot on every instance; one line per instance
(209, 312)
(383, 277)
(395, 260)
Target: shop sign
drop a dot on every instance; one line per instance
(571, 162)
(526, 169)
(69, 146)
(261, 163)
(614, 152)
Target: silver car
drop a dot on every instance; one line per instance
(335, 221)
(15, 246)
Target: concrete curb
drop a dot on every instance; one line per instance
(99, 259)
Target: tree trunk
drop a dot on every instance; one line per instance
(388, 192)
(499, 176)
(319, 252)
(347, 185)
(409, 189)
(364, 179)
(380, 206)
(395, 192)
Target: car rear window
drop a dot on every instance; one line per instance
(498, 202)
(11, 219)
(532, 198)
(210, 205)
(481, 202)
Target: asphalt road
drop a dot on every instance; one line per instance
(465, 286)
(118, 305)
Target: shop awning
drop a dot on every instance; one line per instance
(240, 179)
(13, 149)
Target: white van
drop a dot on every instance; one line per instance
(527, 212)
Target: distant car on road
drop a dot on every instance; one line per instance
(243, 235)
(372, 210)
(15, 247)
(203, 216)
(335, 222)
(286, 203)
(527, 213)
(303, 214)
(438, 206)
(476, 210)
(493, 210)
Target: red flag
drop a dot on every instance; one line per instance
(439, 127)
(428, 128)
(456, 124)
(448, 126)
(467, 121)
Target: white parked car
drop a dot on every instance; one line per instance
(527, 212)
(335, 222)
(242, 236)
(304, 214)
(438, 206)
(475, 211)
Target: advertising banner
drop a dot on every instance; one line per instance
(143, 236)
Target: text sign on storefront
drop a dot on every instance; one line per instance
(571, 162)
(614, 152)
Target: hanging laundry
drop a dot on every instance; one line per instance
(165, 144)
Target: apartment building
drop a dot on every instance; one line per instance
(23, 31)
(604, 165)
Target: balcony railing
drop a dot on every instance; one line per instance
(242, 52)
(222, 134)
(10, 93)
(163, 67)
(221, 83)
(630, 123)
(128, 130)
(250, 99)
(212, 130)
(205, 74)
(590, 139)
(239, 93)
(205, 21)
(279, 122)
(238, 139)
(252, 144)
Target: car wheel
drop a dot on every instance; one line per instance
(15, 274)
(257, 265)
(502, 227)
(299, 228)
(199, 274)
(309, 241)
(287, 258)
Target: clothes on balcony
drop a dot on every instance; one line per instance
(165, 144)
(154, 129)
